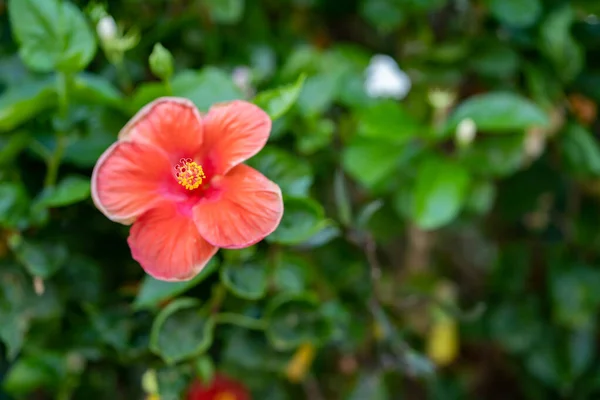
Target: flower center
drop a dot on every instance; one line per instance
(226, 396)
(189, 174)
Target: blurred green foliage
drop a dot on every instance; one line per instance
(442, 245)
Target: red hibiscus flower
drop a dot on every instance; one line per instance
(178, 178)
(221, 388)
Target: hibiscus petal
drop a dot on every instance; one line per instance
(167, 244)
(234, 132)
(171, 124)
(127, 180)
(240, 209)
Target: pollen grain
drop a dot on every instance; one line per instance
(189, 174)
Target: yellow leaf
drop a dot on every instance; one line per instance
(443, 342)
(300, 363)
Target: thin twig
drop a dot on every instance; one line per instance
(312, 389)
(374, 266)
(415, 299)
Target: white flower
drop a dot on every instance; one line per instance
(441, 99)
(466, 131)
(242, 77)
(386, 79)
(106, 28)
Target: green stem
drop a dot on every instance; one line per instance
(240, 320)
(54, 162)
(41, 150)
(169, 87)
(123, 75)
(218, 296)
(62, 88)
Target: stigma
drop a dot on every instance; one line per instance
(189, 174)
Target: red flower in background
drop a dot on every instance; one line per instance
(178, 178)
(221, 388)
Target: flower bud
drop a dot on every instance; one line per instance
(161, 62)
(106, 28)
(465, 132)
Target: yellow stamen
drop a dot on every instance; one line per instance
(226, 396)
(189, 174)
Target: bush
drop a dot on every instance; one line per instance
(439, 167)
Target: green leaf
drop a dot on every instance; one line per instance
(70, 190)
(153, 292)
(385, 15)
(249, 349)
(101, 129)
(113, 326)
(574, 297)
(543, 363)
(580, 151)
(238, 255)
(291, 273)
(225, 11)
(498, 112)
(294, 320)
(440, 191)
(516, 326)
(326, 231)
(318, 93)
(21, 103)
(581, 348)
(317, 136)
(371, 161)
(87, 275)
(173, 381)
(294, 175)
(15, 300)
(42, 259)
(481, 197)
(95, 89)
(247, 280)
(35, 26)
(340, 319)
(11, 146)
(205, 87)
(78, 40)
(146, 92)
(369, 386)
(52, 35)
(277, 102)
(517, 13)
(302, 218)
(495, 60)
(558, 44)
(34, 372)
(495, 156)
(353, 93)
(12, 333)
(389, 121)
(303, 58)
(205, 368)
(342, 198)
(14, 204)
(181, 331)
